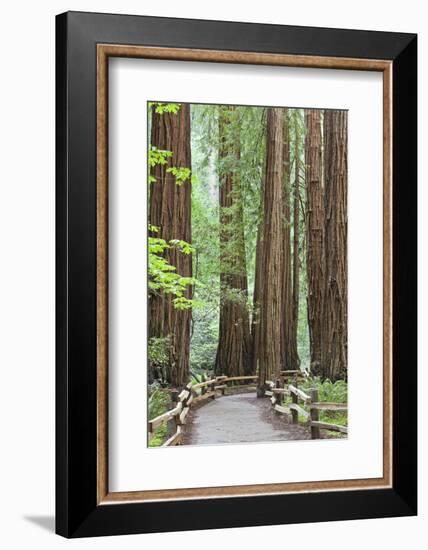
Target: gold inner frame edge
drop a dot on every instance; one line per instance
(104, 52)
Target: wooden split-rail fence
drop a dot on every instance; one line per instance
(197, 394)
(191, 395)
(294, 410)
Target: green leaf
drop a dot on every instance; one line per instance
(162, 108)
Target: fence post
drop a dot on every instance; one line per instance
(315, 432)
(174, 398)
(294, 414)
(278, 399)
(184, 404)
(172, 426)
(212, 388)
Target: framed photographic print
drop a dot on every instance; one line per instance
(236, 274)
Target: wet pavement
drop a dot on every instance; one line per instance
(239, 418)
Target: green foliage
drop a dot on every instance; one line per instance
(159, 354)
(181, 174)
(158, 156)
(159, 437)
(159, 403)
(203, 347)
(162, 108)
(235, 295)
(186, 248)
(155, 157)
(330, 392)
(297, 155)
(158, 351)
(162, 275)
(302, 325)
(335, 392)
(246, 127)
(205, 239)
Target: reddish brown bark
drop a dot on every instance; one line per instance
(268, 327)
(315, 255)
(334, 349)
(233, 350)
(289, 356)
(170, 211)
(255, 333)
(296, 236)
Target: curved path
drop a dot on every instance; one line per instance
(239, 418)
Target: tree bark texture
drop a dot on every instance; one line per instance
(255, 320)
(170, 211)
(315, 258)
(289, 355)
(296, 238)
(268, 328)
(233, 351)
(334, 349)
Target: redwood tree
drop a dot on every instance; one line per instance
(289, 355)
(268, 327)
(170, 213)
(296, 233)
(255, 320)
(315, 254)
(334, 349)
(233, 350)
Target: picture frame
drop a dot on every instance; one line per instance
(84, 44)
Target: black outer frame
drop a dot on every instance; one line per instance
(77, 513)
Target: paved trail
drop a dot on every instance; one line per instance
(239, 419)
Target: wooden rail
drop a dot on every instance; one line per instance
(200, 392)
(192, 394)
(310, 400)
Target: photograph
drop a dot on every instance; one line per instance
(247, 274)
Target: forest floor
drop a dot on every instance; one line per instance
(241, 418)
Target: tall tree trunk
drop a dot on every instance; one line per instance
(255, 320)
(233, 350)
(170, 211)
(315, 234)
(334, 351)
(288, 341)
(268, 328)
(258, 277)
(296, 235)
